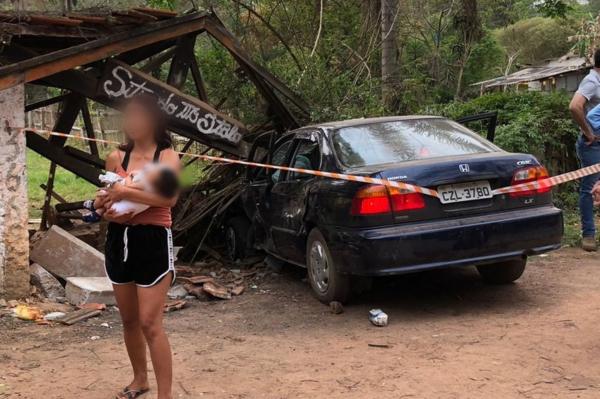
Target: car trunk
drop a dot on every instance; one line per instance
(496, 168)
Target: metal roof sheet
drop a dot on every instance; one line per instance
(552, 68)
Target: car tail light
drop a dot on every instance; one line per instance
(371, 200)
(377, 200)
(406, 201)
(528, 175)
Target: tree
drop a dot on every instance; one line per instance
(594, 7)
(537, 39)
(469, 30)
(554, 8)
(390, 66)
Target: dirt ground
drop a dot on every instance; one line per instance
(450, 336)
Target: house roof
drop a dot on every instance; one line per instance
(552, 68)
(83, 25)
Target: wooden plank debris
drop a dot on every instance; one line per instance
(160, 13)
(89, 19)
(172, 306)
(79, 315)
(48, 20)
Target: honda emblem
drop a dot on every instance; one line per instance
(464, 168)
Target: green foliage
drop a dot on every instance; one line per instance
(554, 8)
(537, 39)
(486, 60)
(530, 122)
(594, 7)
(71, 187)
(166, 4)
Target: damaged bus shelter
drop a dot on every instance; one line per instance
(106, 57)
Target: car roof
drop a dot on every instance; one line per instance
(368, 121)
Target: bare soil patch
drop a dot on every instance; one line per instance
(450, 336)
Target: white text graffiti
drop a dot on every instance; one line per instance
(123, 84)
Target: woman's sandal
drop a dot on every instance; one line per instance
(132, 393)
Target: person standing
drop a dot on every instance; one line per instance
(139, 249)
(588, 149)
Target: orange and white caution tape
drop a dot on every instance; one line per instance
(540, 184)
(551, 181)
(361, 179)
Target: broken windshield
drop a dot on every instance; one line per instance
(406, 140)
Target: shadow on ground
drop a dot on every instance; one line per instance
(451, 291)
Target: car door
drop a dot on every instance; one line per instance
(289, 197)
(258, 203)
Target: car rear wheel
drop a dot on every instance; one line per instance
(503, 272)
(327, 283)
(237, 237)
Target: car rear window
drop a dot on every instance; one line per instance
(406, 140)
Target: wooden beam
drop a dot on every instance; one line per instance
(157, 61)
(140, 54)
(89, 127)
(89, 19)
(85, 83)
(68, 114)
(74, 80)
(159, 13)
(48, 197)
(198, 80)
(186, 147)
(83, 156)
(70, 108)
(136, 15)
(180, 65)
(201, 120)
(80, 33)
(60, 156)
(216, 29)
(45, 103)
(54, 194)
(48, 64)
(285, 117)
(194, 159)
(47, 20)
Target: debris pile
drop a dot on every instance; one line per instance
(45, 313)
(202, 207)
(68, 282)
(58, 255)
(213, 280)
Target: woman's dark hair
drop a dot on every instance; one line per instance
(597, 58)
(150, 104)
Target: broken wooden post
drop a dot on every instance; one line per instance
(14, 239)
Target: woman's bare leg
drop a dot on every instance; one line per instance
(151, 303)
(127, 301)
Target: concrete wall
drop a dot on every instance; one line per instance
(14, 240)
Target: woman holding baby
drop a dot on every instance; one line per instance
(139, 246)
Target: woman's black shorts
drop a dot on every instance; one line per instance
(138, 254)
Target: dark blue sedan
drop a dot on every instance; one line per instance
(340, 229)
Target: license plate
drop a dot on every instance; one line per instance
(463, 192)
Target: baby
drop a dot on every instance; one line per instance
(153, 178)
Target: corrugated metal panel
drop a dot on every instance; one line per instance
(563, 66)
